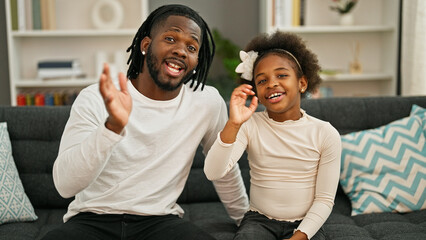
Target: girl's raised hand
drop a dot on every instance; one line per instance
(118, 103)
(238, 111)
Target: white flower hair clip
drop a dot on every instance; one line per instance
(246, 66)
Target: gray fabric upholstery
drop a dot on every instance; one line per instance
(35, 134)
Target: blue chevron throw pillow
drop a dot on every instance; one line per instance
(14, 203)
(384, 169)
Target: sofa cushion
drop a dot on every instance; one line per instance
(14, 203)
(48, 219)
(383, 169)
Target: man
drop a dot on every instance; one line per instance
(126, 153)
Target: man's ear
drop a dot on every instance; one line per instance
(145, 43)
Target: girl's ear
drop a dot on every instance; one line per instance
(303, 84)
(145, 43)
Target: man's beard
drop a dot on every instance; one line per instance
(154, 70)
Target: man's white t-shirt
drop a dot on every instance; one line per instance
(143, 170)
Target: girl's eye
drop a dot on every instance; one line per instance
(282, 75)
(261, 81)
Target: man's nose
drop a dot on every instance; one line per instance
(180, 50)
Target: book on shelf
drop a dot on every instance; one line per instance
(14, 14)
(302, 12)
(288, 13)
(28, 14)
(72, 63)
(56, 69)
(55, 98)
(36, 14)
(21, 15)
(52, 74)
(296, 13)
(48, 14)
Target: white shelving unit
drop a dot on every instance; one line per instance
(74, 38)
(375, 29)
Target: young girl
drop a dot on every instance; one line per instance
(294, 158)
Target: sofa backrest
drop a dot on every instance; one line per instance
(356, 114)
(35, 134)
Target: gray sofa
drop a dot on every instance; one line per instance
(35, 133)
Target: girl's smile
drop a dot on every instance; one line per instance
(275, 96)
(278, 87)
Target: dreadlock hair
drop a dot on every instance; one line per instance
(158, 16)
(282, 43)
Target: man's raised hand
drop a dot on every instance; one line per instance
(118, 103)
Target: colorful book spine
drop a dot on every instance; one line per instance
(296, 13)
(57, 98)
(51, 8)
(48, 14)
(39, 99)
(29, 99)
(283, 13)
(51, 69)
(28, 14)
(21, 15)
(288, 13)
(36, 14)
(48, 99)
(44, 15)
(302, 12)
(20, 100)
(58, 64)
(14, 14)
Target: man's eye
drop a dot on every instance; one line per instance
(192, 48)
(170, 39)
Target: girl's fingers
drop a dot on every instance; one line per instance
(253, 104)
(247, 89)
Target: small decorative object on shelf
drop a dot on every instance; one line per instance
(118, 63)
(344, 8)
(355, 66)
(107, 14)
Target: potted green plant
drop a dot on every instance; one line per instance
(228, 53)
(344, 8)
